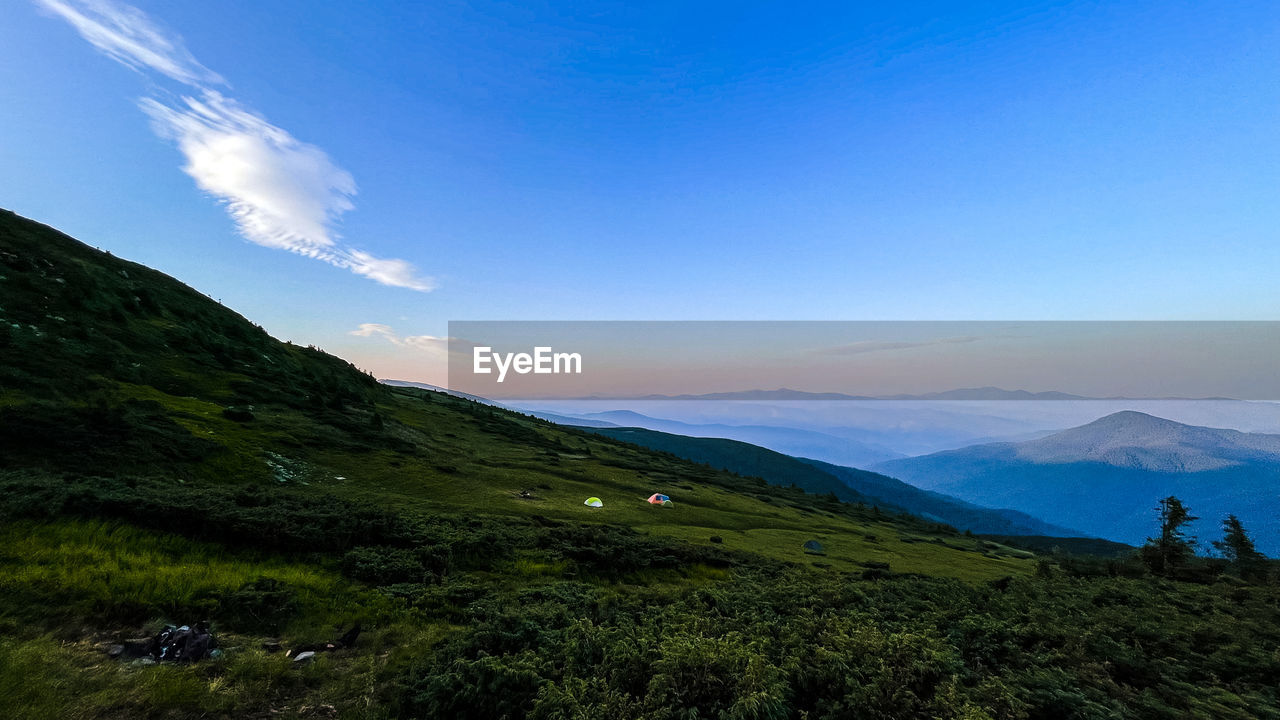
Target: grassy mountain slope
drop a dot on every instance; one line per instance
(166, 461)
(115, 368)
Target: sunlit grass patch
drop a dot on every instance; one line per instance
(529, 566)
(115, 572)
(69, 587)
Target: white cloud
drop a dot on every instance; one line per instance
(126, 34)
(281, 192)
(372, 329)
(388, 271)
(430, 343)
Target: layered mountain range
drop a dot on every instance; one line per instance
(1105, 477)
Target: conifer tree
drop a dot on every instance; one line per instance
(1173, 548)
(1237, 547)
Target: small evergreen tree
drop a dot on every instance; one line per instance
(1173, 548)
(1237, 547)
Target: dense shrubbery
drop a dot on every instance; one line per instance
(1078, 640)
(128, 435)
(263, 605)
(264, 518)
(615, 551)
(777, 645)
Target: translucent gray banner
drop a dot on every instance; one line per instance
(864, 361)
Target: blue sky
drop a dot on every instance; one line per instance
(656, 161)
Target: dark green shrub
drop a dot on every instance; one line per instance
(237, 413)
(263, 605)
(383, 565)
(485, 688)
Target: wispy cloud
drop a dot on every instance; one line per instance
(126, 34)
(871, 346)
(422, 342)
(281, 192)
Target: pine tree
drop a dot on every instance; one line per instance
(1237, 547)
(1173, 548)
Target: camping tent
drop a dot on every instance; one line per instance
(593, 502)
(659, 499)
(813, 546)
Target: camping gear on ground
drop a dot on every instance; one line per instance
(593, 502)
(182, 644)
(813, 546)
(659, 499)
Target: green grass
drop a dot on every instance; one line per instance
(103, 569)
(475, 466)
(68, 588)
(488, 471)
(53, 679)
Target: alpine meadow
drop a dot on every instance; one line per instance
(480, 360)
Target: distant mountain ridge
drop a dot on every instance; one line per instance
(849, 484)
(988, 393)
(1105, 477)
(980, 393)
(1133, 439)
(779, 394)
(796, 442)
